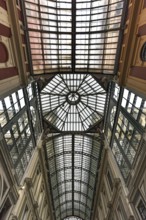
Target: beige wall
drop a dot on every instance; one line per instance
(32, 196)
(116, 199)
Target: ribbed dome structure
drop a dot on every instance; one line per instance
(73, 102)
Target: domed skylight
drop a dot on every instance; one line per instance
(73, 102)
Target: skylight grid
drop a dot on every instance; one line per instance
(73, 102)
(100, 20)
(49, 25)
(72, 218)
(73, 161)
(74, 36)
(60, 171)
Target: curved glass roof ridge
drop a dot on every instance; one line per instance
(73, 102)
(74, 35)
(73, 161)
(72, 218)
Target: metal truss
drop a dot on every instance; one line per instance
(73, 107)
(73, 161)
(75, 35)
(73, 102)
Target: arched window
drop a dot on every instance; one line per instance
(143, 52)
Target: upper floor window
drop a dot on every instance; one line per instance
(143, 52)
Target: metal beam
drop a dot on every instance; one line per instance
(22, 152)
(29, 116)
(49, 178)
(121, 35)
(12, 121)
(98, 166)
(107, 105)
(116, 116)
(73, 149)
(73, 34)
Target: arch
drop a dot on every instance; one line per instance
(3, 53)
(143, 52)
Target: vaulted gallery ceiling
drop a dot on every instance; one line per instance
(74, 35)
(74, 47)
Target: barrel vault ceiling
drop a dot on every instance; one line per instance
(73, 48)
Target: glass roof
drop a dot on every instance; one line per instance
(72, 218)
(74, 36)
(74, 105)
(73, 39)
(73, 102)
(73, 161)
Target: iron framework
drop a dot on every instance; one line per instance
(73, 102)
(73, 163)
(20, 126)
(74, 35)
(126, 123)
(73, 108)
